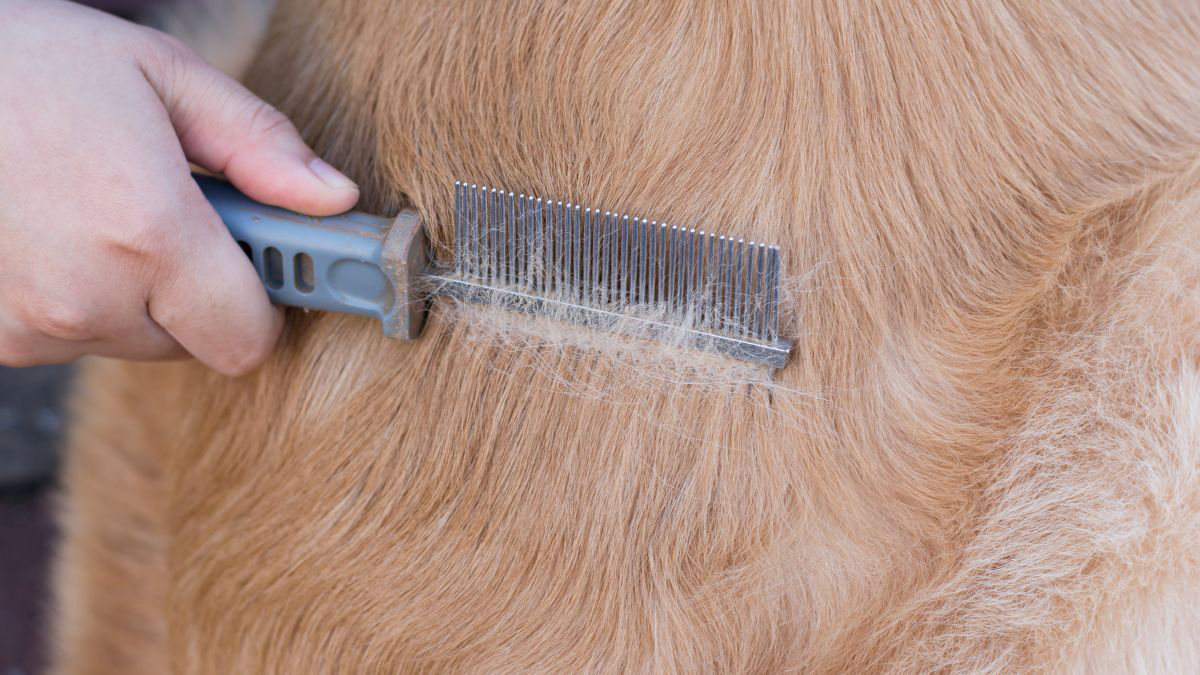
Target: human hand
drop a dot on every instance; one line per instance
(106, 244)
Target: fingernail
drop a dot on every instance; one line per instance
(329, 175)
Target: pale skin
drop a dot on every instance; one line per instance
(106, 245)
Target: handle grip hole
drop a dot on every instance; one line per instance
(273, 267)
(303, 268)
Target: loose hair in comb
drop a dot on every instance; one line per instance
(616, 272)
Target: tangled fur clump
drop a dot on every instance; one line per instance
(982, 457)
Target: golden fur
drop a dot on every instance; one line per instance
(984, 455)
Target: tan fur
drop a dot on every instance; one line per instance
(984, 455)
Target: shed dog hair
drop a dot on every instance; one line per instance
(984, 455)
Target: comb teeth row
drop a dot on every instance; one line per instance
(584, 256)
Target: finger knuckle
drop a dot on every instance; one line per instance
(168, 52)
(172, 44)
(62, 321)
(146, 237)
(266, 122)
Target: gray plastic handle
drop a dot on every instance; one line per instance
(336, 263)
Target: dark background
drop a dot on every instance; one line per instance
(31, 425)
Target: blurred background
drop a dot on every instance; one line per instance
(31, 436)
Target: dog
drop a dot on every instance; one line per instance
(983, 456)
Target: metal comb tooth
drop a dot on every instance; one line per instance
(546, 246)
(516, 241)
(731, 291)
(511, 234)
(584, 249)
(496, 213)
(576, 281)
(614, 255)
(711, 279)
(672, 263)
(648, 266)
(597, 267)
(492, 221)
(668, 264)
(748, 290)
(488, 230)
(588, 255)
(639, 269)
(623, 269)
(686, 266)
(661, 260)
(760, 281)
(470, 257)
(536, 248)
(473, 259)
(571, 232)
(523, 272)
(521, 259)
(478, 258)
(460, 248)
(682, 238)
(506, 239)
(510, 239)
(560, 252)
(657, 262)
(496, 229)
(689, 270)
(598, 257)
(528, 265)
(602, 257)
(747, 260)
(718, 278)
(735, 247)
(681, 266)
(664, 263)
(695, 286)
(724, 281)
(535, 251)
(606, 258)
(735, 286)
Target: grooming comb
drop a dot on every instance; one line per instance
(596, 268)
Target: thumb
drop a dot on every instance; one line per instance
(226, 129)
